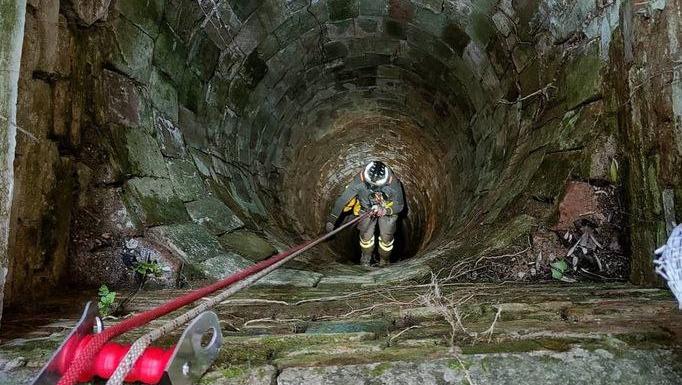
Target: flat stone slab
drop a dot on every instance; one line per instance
(144, 156)
(370, 326)
(364, 279)
(292, 277)
(401, 271)
(213, 214)
(248, 244)
(154, 202)
(577, 366)
(225, 264)
(187, 182)
(191, 242)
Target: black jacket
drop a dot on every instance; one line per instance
(392, 193)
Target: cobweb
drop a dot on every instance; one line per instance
(669, 263)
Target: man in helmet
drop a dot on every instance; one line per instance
(378, 190)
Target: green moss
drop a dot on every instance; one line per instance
(232, 372)
(143, 155)
(226, 373)
(518, 346)
(153, 201)
(373, 8)
(265, 349)
(352, 358)
(582, 80)
(185, 179)
(380, 369)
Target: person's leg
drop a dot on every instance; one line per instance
(366, 227)
(387, 227)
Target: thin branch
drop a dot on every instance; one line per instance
(503, 256)
(271, 320)
(491, 329)
(542, 91)
(251, 301)
(466, 371)
(331, 298)
(390, 341)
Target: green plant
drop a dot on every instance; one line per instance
(106, 300)
(558, 269)
(613, 171)
(146, 269)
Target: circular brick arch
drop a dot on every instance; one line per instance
(315, 79)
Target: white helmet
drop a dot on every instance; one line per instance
(376, 173)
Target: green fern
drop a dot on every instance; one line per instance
(106, 300)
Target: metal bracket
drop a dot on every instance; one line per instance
(189, 361)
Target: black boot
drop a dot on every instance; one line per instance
(385, 249)
(366, 259)
(367, 247)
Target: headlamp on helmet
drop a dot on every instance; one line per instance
(376, 173)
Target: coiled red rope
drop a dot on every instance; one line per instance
(82, 362)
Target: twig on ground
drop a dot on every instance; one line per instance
(253, 301)
(271, 320)
(466, 371)
(390, 340)
(355, 311)
(491, 329)
(449, 309)
(502, 256)
(331, 298)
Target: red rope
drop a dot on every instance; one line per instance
(81, 364)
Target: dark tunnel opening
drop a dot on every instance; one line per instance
(354, 139)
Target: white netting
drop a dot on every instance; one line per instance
(669, 263)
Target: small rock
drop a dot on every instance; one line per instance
(131, 243)
(13, 364)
